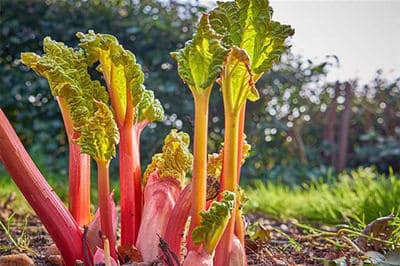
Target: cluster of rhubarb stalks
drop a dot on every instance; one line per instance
(185, 209)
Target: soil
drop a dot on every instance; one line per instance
(272, 242)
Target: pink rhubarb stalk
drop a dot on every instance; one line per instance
(61, 226)
(201, 258)
(160, 196)
(165, 176)
(176, 225)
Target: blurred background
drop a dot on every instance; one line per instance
(318, 115)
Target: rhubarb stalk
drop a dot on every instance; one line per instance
(61, 226)
(78, 171)
(256, 43)
(124, 79)
(199, 64)
(56, 54)
(199, 180)
(98, 139)
(104, 206)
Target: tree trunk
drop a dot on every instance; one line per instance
(329, 130)
(344, 129)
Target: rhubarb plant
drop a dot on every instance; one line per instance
(124, 81)
(165, 177)
(65, 70)
(234, 44)
(199, 64)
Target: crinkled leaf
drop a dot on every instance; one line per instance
(213, 222)
(200, 61)
(248, 24)
(237, 80)
(246, 149)
(175, 160)
(214, 161)
(120, 70)
(149, 108)
(66, 71)
(100, 135)
(214, 164)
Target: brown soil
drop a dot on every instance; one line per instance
(278, 243)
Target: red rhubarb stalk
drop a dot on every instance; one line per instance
(61, 226)
(176, 225)
(130, 197)
(128, 193)
(78, 171)
(79, 184)
(104, 206)
(137, 172)
(124, 79)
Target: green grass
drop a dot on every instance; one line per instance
(58, 183)
(361, 194)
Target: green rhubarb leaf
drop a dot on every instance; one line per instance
(175, 160)
(100, 135)
(248, 24)
(237, 82)
(200, 61)
(149, 108)
(66, 72)
(214, 222)
(121, 73)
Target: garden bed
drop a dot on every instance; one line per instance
(269, 242)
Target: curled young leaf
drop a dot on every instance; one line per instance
(121, 73)
(200, 61)
(66, 71)
(213, 222)
(100, 135)
(175, 160)
(237, 82)
(249, 25)
(149, 108)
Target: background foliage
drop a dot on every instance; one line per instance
(296, 129)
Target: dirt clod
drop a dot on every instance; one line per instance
(16, 260)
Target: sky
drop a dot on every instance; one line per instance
(365, 35)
